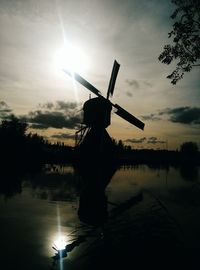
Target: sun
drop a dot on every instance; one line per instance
(72, 58)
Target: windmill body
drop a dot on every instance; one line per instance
(97, 113)
(93, 137)
(96, 118)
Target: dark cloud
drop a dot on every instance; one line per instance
(60, 106)
(37, 126)
(148, 84)
(63, 136)
(129, 94)
(154, 140)
(184, 115)
(48, 106)
(134, 83)
(56, 115)
(52, 119)
(152, 117)
(134, 140)
(5, 111)
(59, 115)
(66, 106)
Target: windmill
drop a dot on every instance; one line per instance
(93, 136)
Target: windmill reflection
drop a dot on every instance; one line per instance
(93, 200)
(96, 220)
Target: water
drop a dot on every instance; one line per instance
(141, 205)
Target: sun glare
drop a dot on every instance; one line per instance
(60, 242)
(71, 58)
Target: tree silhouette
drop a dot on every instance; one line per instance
(189, 148)
(186, 39)
(12, 140)
(13, 127)
(17, 146)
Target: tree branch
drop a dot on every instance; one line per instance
(187, 49)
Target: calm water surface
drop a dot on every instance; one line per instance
(143, 205)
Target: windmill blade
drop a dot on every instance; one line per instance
(82, 81)
(128, 117)
(113, 79)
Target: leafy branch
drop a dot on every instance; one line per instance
(185, 33)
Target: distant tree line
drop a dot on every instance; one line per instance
(18, 147)
(120, 147)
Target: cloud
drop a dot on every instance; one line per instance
(54, 115)
(154, 140)
(134, 83)
(60, 106)
(152, 117)
(134, 140)
(66, 106)
(129, 94)
(63, 136)
(48, 106)
(148, 84)
(52, 119)
(183, 115)
(37, 126)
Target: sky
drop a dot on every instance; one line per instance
(35, 89)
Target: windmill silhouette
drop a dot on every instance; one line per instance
(92, 136)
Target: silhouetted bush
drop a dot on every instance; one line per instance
(189, 148)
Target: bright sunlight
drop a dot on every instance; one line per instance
(60, 242)
(72, 58)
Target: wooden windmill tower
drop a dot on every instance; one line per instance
(93, 137)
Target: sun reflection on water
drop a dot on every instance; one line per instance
(60, 242)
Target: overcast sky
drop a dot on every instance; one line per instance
(132, 32)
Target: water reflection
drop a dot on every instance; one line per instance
(93, 201)
(10, 182)
(56, 185)
(93, 206)
(189, 173)
(62, 249)
(101, 211)
(92, 210)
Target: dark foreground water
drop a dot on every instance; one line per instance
(139, 208)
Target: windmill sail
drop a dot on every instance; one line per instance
(82, 81)
(120, 111)
(113, 79)
(128, 117)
